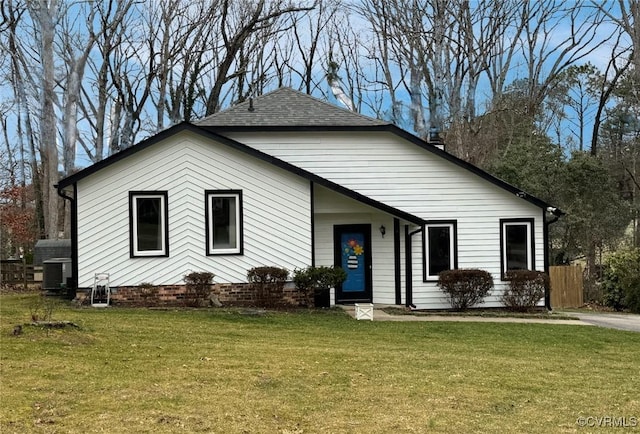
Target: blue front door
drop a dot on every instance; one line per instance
(353, 254)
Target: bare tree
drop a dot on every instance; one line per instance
(440, 50)
(433, 51)
(133, 67)
(397, 27)
(106, 25)
(239, 20)
(20, 76)
(45, 14)
(76, 46)
(383, 55)
(546, 55)
(346, 64)
(627, 19)
(306, 41)
(183, 33)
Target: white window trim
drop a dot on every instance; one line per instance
(238, 230)
(452, 247)
(529, 246)
(163, 228)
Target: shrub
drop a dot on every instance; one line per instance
(312, 281)
(41, 309)
(614, 296)
(465, 287)
(148, 291)
(621, 280)
(525, 289)
(197, 287)
(268, 284)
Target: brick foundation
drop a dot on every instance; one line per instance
(229, 294)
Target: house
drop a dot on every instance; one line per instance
(291, 181)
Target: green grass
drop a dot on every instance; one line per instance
(139, 370)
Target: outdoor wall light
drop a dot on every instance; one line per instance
(383, 230)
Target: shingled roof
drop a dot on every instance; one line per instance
(286, 107)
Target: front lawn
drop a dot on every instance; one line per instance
(226, 371)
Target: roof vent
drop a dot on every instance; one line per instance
(251, 105)
(435, 139)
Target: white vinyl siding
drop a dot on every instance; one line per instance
(399, 173)
(276, 213)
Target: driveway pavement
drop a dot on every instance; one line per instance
(620, 321)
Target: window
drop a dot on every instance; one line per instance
(148, 223)
(223, 212)
(440, 243)
(516, 245)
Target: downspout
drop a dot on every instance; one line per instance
(408, 265)
(74, 235)
(556, 216)
(313, 224)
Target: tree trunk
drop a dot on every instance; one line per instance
(45, 16)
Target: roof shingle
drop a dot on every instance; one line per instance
(286, 107)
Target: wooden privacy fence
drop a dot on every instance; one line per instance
(13, 272)
(567, 287)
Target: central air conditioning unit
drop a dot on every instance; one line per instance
(55, 272)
